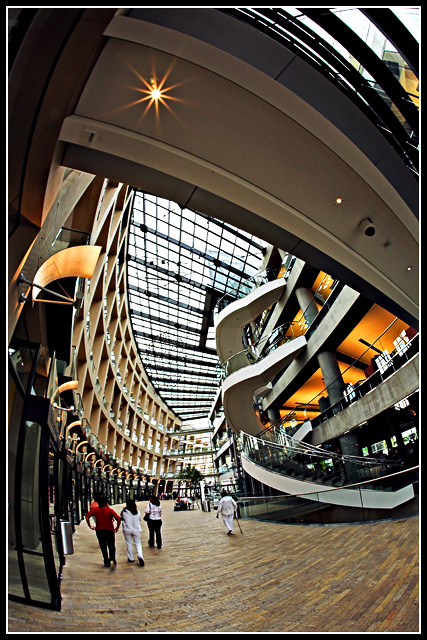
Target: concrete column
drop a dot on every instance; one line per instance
(307, 304)
(332, 376)
(349, 445)
(324, 404)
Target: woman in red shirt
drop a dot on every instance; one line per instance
(105, 530)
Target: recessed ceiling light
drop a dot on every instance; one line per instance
(155, 93)
(409, 268)
(338, 200)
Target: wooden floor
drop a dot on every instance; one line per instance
(270, 578)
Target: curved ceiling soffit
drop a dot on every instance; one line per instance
(213, 136)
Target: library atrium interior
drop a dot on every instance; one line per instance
(213, 265)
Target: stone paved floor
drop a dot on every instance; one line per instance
(272, 578)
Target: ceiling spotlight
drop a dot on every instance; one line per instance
(338, 200)
(155, 93)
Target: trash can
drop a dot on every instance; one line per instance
(67, 538)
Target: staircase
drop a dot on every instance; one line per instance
(296, 468)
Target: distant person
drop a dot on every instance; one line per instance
(227, 507)
(131, 527)
(105, 530)
(154, 522)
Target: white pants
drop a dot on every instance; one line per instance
(228, 521)
(135, 537)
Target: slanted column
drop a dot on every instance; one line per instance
(307, 304)
(334, 382)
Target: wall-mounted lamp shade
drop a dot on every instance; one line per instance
(74, 262)
(71, 384)
(73, 424)
(81, 444)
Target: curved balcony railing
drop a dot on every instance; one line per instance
(265, 344)
(391, 363)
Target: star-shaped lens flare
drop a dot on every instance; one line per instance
(156, 93)
(151, 91)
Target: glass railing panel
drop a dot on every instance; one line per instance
(397, 347)
(323, 508)
(301, 461)
(387, 365)
(24, 359)
(380, 45)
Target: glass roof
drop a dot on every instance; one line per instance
(180, 263)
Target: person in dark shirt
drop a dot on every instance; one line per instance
(106, 530)
(154, 522)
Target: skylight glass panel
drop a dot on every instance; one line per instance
(180, 262)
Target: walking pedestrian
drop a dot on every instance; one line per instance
(154, 522)
(131, 523)
(105, 529)
(227, 507)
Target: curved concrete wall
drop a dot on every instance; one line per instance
(231, 320)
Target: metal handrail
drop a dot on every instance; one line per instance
(340, 72)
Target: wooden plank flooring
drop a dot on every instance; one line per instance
(272, 578)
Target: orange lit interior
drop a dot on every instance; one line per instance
(378, 328)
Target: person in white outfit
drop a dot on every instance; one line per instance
(227, 508)
(131, 521)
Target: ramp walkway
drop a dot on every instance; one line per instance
(270, 578)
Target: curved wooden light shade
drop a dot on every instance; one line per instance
(75, 262)
(66, 386)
